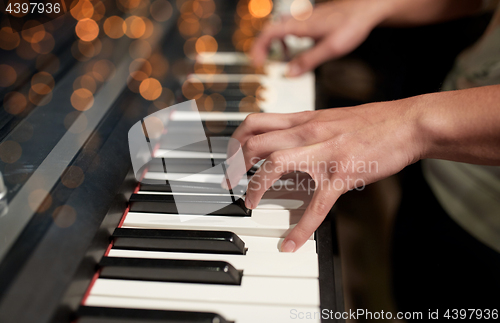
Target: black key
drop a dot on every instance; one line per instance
(212, 128)
(231, 69)
(170, 270)
(197, 205)
(217, 242)
(156, 185)
(230, 93)
(94, 314)
(182, 165)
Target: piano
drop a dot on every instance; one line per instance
(82, 239)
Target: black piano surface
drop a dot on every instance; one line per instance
(50, 247)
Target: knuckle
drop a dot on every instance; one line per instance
(278, 159)
(253, 144)
(250, 121)
(311, 130)
(320, 209)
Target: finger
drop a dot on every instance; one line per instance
(321, 203)
(261, 146)
(310, 59)
(258, 123)
(273, 168)
(279, 30)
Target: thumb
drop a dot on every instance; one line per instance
(321, 203)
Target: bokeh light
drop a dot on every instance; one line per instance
(87, 29)
(136, 27)
(45, 45)
(72, 177)
(82, 9)
(33, 31)
(85, 81)
(10, 151)
(206, 44)
(9, 39)
(115, 27)
(192, 90)
(82, 99)
(14, 103)
(8, 75)
(42, 83)
(103, 70)
(140, 65)
(260, 8)
(150, 89)
(64, 216)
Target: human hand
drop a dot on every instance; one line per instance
(341, 149)
(337, 27)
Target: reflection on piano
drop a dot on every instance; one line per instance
(82, 240)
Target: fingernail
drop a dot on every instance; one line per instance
(288, 246)
(292, 69)
(248, 203)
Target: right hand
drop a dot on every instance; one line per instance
(337, 27)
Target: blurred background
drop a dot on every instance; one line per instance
(56, 70)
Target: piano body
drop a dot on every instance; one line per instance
(81, 240)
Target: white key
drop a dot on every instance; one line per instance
(253, 290)
(188, 154)
(206, 178)
(253, 264)
(182, 193)
(226, 78)
(286, 94)
(264, 204)
(272, 245)
(208, 116)
(263, 223)
(239, 313)
(223, 58)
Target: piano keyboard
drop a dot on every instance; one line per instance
(223, 267)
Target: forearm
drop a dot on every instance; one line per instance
(462, 125)
(401, 13)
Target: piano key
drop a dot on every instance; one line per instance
(188, 203)
(254, 264)
(208, 116)
(263, 223)
(220, 242)
(195, 178)
(171, 270)
(98, 314)
(239, 313)
(226, 78)
(259, 244)
(264, 204)
(159, 186)
(188, 154)
(157, 165)
(252, 290)
(223, 58)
